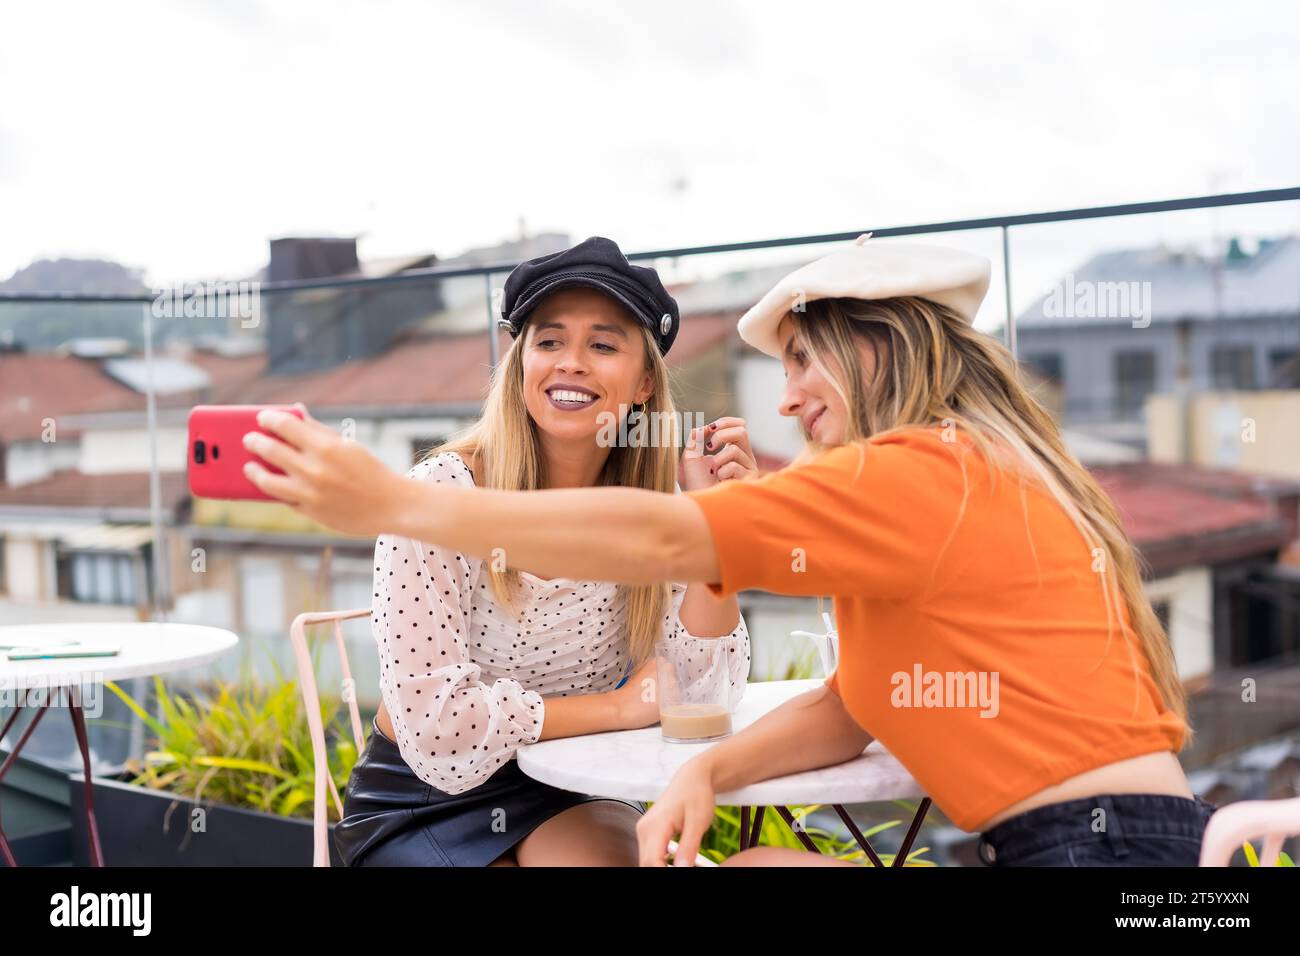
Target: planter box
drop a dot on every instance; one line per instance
(135, 829)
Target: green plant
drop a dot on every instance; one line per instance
(803, 665)
(245, 745)
(1253, 858)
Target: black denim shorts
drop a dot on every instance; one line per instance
(393, 818)
(1117, 829)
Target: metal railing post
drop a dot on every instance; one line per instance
(494, 347)
(1006, 282)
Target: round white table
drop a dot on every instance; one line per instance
(638, 764)
(146, 648)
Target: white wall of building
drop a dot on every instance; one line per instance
(1190, 594)
(759, 384)
(28, 461)
(390, 439)
(28, 569)
(112, 450)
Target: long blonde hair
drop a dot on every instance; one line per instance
(933, 368)
(503, 450)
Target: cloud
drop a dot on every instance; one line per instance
(185, 135)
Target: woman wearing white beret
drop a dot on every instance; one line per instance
(955, 533)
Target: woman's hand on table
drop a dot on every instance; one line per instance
(330, 479)
(684, 811)
(729, 456)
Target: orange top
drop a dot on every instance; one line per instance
(972, 627)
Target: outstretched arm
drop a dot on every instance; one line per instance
(609, 534)
(625, 535)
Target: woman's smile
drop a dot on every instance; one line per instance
(811, 423)
(570, 398)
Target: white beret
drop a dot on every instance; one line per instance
(871, 270)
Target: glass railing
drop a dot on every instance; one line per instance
(1165, 336)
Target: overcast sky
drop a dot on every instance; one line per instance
(179, 136)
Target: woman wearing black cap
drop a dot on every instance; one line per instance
(479, 656)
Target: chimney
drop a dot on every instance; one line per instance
(297, 258)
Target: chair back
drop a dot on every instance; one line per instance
(311, 699)
(1239, 823)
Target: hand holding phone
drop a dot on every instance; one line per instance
(216, 454)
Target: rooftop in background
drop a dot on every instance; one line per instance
(1188, 284)
(1180, 515)
(37, 388)
(120, 496)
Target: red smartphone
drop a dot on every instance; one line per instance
(216, 453)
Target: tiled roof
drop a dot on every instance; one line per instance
(69, 488)
(1159, 510)
(37, 386)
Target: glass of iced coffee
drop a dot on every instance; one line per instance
(693, 690)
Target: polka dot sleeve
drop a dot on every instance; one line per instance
(708, 658)
(453, 729)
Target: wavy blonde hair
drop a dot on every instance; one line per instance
(933, 368)
(503, 450)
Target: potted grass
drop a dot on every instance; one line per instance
(229, 782)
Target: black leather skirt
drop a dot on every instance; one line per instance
(393, 818)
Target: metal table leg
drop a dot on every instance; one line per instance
(92, 827)
(749, 838)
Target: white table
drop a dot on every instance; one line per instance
(147, 648)
(638, 764)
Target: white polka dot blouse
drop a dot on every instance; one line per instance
(463, 678)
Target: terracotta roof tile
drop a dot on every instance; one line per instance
(69, 488)
(35, 386)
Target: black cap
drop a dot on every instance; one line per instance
(595, 263)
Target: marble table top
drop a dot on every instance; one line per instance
(147, 648)
(637, 764)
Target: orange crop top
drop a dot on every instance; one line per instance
(972, 628)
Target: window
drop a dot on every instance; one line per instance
(1047, 365)
(98, 578)
(1284, 368)
(1135, 379)
(1232, 366)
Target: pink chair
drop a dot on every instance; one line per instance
(311, 698)
(1238, 823)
